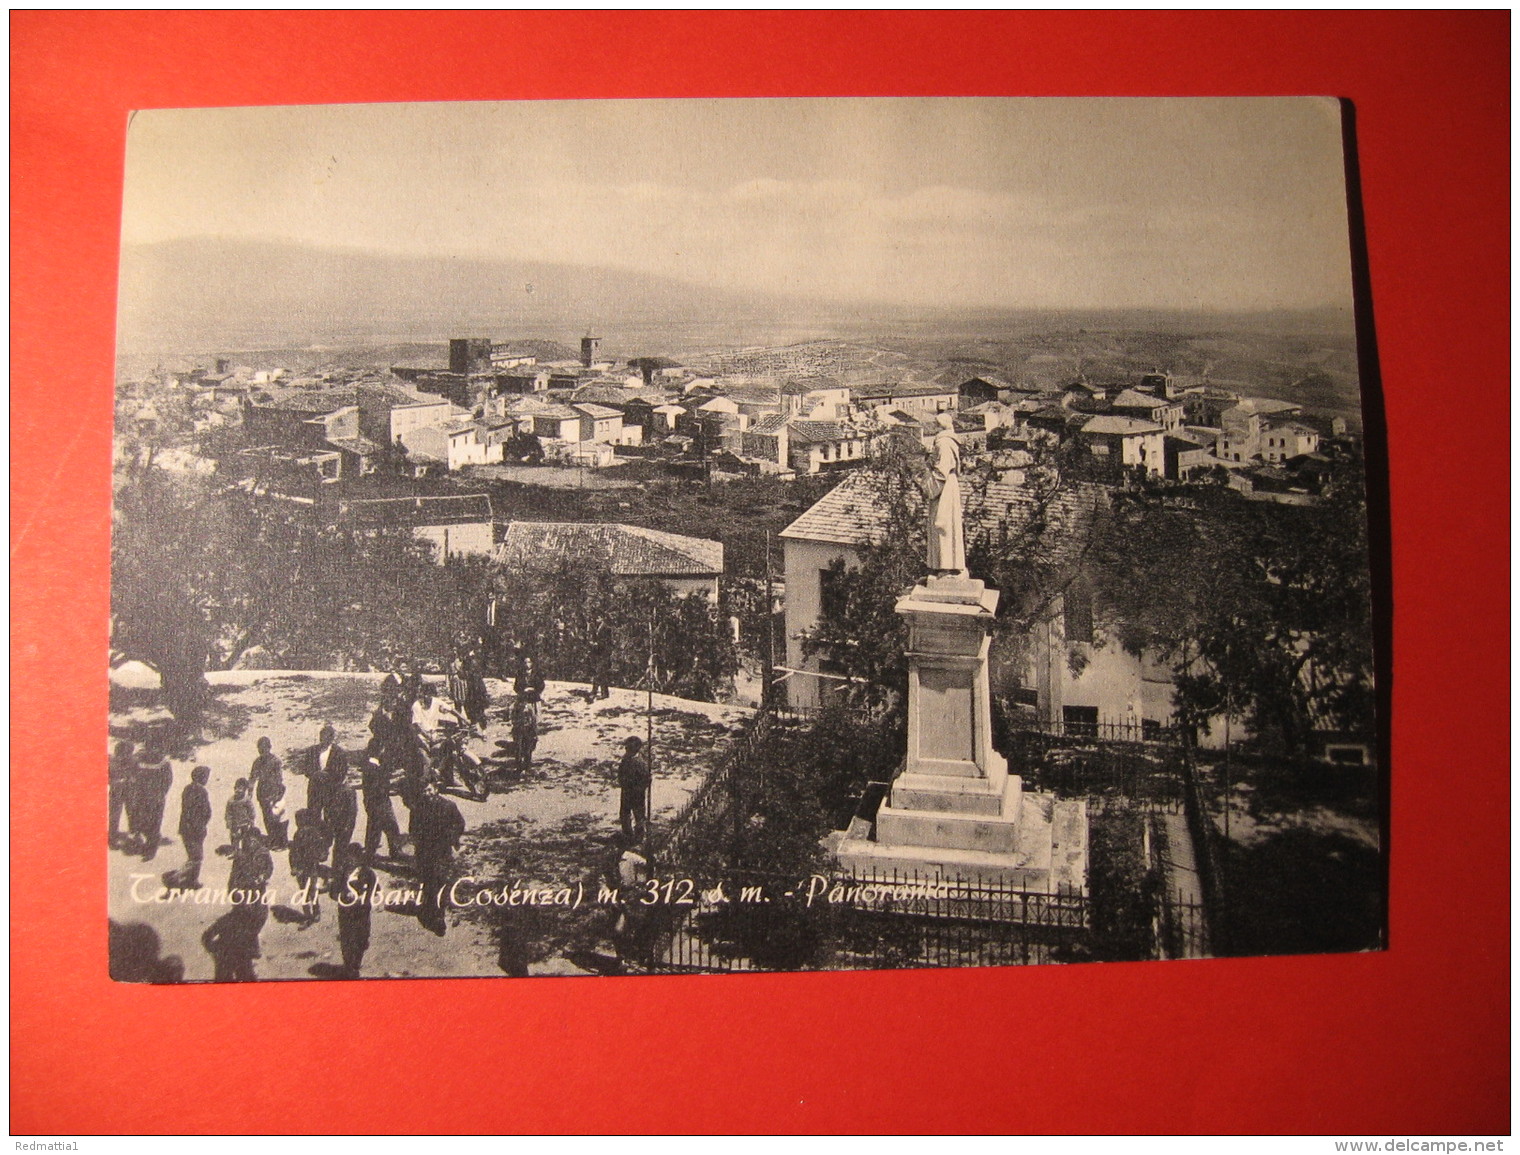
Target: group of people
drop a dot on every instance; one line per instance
(404, 756)
(140, 792)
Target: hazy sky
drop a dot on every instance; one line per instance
(1227, 203)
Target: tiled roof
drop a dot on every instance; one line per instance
(1290, 425)
(315, 401)
(1070, 418)
(394, 395)
(621, 550)
(888, 416)
(557, 412)
(360, 445)
(753, 394)
(795, 386)
(1112, 424)
(436, 509)
(954, 379)
(849, 514)
(902, 389)
(770, 426)
(815, 431)
(526, 406)
(1267, 405)
(1190, 439)
(1134, 399)
(598, 411)
(599, 392)
(1050, 530)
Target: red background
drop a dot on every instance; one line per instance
(1411, 1040)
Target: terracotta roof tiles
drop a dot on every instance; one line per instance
(622, 550)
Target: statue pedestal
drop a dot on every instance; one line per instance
(954, 811)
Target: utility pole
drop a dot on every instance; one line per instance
(1227, 765)
(769, 672)
(649, 729)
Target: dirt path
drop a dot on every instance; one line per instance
(1183, 886)
(549, 831)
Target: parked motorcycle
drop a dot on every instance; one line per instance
(455, 762)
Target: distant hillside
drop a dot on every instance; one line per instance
(311, 309)
(206, 294)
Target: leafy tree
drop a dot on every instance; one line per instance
(1263, 610)
(576, 618)
(203, 573)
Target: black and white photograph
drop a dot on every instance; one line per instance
(648, 537)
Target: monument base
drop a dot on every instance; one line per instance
(1048, 852)
(954, 812)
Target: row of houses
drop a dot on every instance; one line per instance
(1164, 431)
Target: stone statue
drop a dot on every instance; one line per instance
(947, 531)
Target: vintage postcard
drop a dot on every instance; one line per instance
(695, 536)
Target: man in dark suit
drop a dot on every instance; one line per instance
(153, 786)
(123, 780)
(194, 819)
(326, 764)
(633, 786)
(380, 816)
(436, 828)
(354, 909)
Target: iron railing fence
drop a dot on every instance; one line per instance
(1181, 927)
(830, 921)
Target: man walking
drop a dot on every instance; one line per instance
(153, 786)
(436, 828)
(529, 688)
(601, 663)
(354, 908)
(194, 820)
(268, 789)
(342, 816)
(326, 764)
(379, 815)
(122, 774)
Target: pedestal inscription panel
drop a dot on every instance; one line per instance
(946, 719)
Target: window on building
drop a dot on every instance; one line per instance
(1080, 721)
(1025, 696)
(831, 596)
(1347, 755)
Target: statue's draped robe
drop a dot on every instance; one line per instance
(947, 534)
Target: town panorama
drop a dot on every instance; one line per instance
(574, 624)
